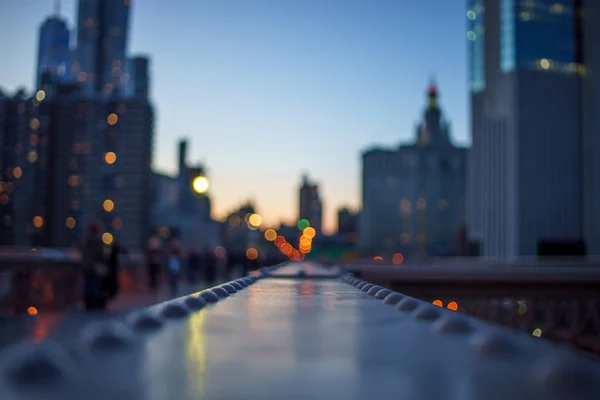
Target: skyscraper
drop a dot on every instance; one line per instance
(530, 190)
(100, 59)
(54, 55)
(310, 206)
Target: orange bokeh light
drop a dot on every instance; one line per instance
(309, 232)
(252, 253)
(32, 311)
(377, 258)
(453, 306)
(279, 241)
(398, 258)
(438, 303)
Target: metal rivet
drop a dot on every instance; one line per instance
(427, 313)
(219, 291)
(194, 302)
(566, 376)
(238, 286)
(229, 288)
(108, 336)
(382, 294)
(366, 287)
(145, 321)
(393, 298)
(407, 304)
(209, 296)
(452, 325)
(242, 282)
(362, 284)
(174, 310)
(37, 366)
(373, 290)
(494, 344)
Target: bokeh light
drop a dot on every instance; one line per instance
(70, 222)
(279, 241)
(107, 238)
(32, 311)
(255, 220)
(310, 232)
(110, 157)
(252, 253)
(200, 184)
(38, 221)
(438, 303)
(108, 205)
(303, 224)
(40, 95)
(377, 258)
(270, 235)
(452, 306)
(17, 172)
(398, 258)
(112, 119)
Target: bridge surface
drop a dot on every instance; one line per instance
(309, 338)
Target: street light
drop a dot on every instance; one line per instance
(200, 184)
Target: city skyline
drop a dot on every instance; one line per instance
(257, 79)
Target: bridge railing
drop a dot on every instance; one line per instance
(294, 337)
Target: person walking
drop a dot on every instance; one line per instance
(210, 266)
(193, 265)
(174, 265)
(153, 260)
(94, 269)
(112, 277)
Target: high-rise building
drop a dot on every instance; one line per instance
(533, 179)
(310, 206)
(100, 59)
(413, 196)
(141, 76)
(54, 54)
(13, 125)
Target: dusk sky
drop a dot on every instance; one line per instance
(267, 89)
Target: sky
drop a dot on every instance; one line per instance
(268, 89)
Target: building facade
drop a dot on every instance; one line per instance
(101, 64)
(54, 53)
(310, 205)
(533, 181)
(413, 196)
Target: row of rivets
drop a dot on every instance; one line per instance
(558, 375)
(47, 364)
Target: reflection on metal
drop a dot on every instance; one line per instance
(196, 353)
(375, 343)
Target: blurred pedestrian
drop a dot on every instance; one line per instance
(193, 264)
(112, 277)
(174, 265)
(153, 259)
(94, 269)
(210, 266)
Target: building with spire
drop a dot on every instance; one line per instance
(310, 206)
(413, 196)
(54, 53)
